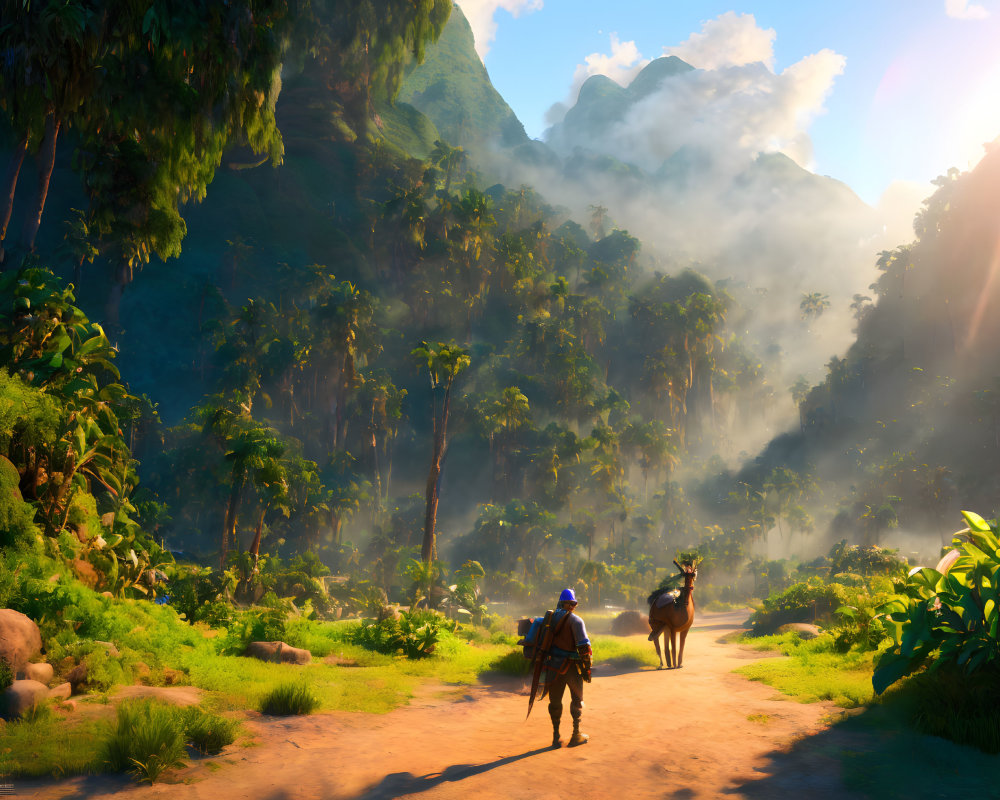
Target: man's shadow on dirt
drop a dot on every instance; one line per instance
(404, 783)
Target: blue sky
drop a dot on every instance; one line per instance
(896, 91)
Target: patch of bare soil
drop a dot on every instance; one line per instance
(696, 732)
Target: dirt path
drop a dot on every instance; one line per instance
(697, 732)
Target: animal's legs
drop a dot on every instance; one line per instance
(680, 656)
(656, 644)
(673, 649)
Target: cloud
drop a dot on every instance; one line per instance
(481, 15)
(963, 9)
(729, 40)
(622, 64)
(733, 106)
(897, 206)
(732, 112)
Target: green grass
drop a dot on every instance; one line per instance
(813, 671)
(623, 653)
(53, 745)
(147, 740)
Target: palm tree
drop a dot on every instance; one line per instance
(253, 452)
(503, 417)
(444, 362)
(813, 305)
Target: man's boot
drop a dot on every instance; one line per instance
(554, 716)
(577, 738)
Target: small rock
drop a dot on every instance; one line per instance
(62, 691)
(390, 611)
(42, 673)
(803, 629)
(86, 573)
(77, 678)
(112, 650)
(278, 652)
(69, 706)
(172, 676)
(108, 595)
(21, 696)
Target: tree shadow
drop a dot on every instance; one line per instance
(873, 754)
(398, 784)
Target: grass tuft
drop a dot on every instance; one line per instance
(207, 733)
(147, 740)
(288, 699)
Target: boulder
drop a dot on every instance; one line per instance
(42, 673)
(278, 652)
(61, 692)
(803, 629)
(20, 640)
(630, 622)
(21, 696)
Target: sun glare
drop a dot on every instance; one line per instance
(977, 120)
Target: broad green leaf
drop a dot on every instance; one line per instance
(975, 522)
(889, 670)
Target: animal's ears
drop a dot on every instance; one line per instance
(678, 565)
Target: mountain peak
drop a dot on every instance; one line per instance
(655, 72)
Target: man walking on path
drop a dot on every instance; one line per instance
(567, 665)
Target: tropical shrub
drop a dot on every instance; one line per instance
(253, 625)
(413, 635)
(809, 601)
(288, 699)
(948, 616)
(865, 560)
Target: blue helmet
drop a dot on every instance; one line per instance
(567, 596)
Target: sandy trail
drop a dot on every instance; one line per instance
(697, 732)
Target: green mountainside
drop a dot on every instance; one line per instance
(451, 87)
(603, 103)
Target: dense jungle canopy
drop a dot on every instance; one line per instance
(269, 289)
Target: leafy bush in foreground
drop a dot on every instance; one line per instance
(949, 616)
(950, 704)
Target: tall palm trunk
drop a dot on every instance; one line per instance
(255, 547)
(112, 310)
(46, 162)
(9, 186)
(428, 549)
(229, 529)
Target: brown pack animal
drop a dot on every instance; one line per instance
(673, 617)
